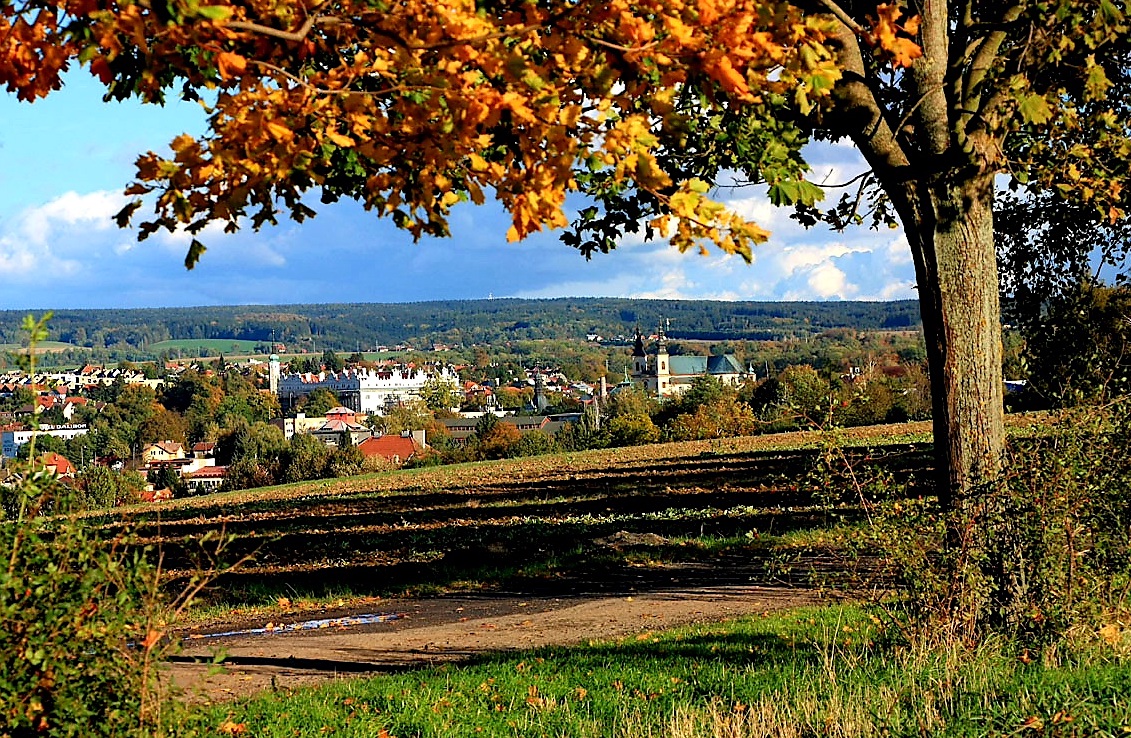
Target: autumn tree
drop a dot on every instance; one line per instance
(644, 105)
(721, 417)
(440, 394)
(318, 402)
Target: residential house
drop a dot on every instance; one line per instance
(162, 451)
(300, 423)
(341, 421)
(207, 479)
(57, 464)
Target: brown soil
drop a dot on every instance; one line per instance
(457, 628)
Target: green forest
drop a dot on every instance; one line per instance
(151, 333)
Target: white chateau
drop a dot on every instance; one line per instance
(365, 390)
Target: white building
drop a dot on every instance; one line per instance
(365, 390)
(14, 439)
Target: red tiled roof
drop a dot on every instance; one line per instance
(393, 448)
(61, 464)
(208, 472)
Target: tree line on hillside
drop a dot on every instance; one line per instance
(457, 322)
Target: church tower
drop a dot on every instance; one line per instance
(274, 370)
(663, 368)
(639, 358)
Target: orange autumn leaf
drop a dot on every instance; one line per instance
(896, 40)
(152, 638)
(230, 65)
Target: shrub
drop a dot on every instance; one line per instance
(1041, 554)
(71, 602)
(722, 417)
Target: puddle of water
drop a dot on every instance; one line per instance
(272, 628)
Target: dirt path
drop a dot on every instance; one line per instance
(457, 629)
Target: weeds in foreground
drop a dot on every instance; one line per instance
(83, 614)
(1041, 556)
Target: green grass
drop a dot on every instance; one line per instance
(227, 345)
(813, 672)
(41, 348)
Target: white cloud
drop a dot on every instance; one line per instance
(827, 281)
(52, 238)
(792, 259)
(93, 210)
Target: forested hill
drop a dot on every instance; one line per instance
(462, 322)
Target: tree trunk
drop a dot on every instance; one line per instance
(943, 192)
(951, 234)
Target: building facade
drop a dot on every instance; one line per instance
(13, 438)
(365, 390)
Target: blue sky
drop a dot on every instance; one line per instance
(65, 160)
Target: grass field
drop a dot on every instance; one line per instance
(215, 345)
(44, 347)
(754, 507)
(833, 671)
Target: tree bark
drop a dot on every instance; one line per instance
(951, 234)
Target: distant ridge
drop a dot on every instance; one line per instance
(347, 326)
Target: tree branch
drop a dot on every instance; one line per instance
(987, 51)
(929, 76)
(298, 35)
(842, 16)
(859, 115)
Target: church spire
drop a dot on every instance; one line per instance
(638, 350)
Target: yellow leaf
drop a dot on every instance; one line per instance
(151, 638)
(182, 143)
(279, 132)
(477, 162)
(344, 141)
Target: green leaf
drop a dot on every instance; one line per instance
(1096, 83)
(214, 12)
(196, 250)
(1034, 109)
(792, 192)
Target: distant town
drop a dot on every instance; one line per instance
(150, 430)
